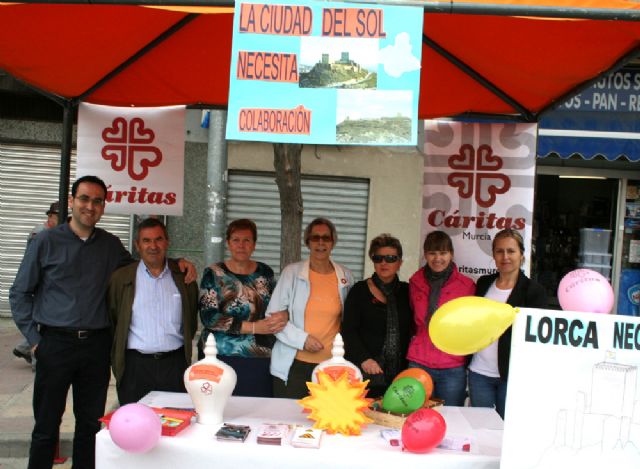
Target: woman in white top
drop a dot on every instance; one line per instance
(489, 367)
(312, 293)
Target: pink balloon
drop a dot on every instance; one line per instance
(423, 430)
(585, 290)
(135, 428)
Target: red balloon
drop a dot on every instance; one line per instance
(423, 430)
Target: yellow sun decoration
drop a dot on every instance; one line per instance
(337, 406)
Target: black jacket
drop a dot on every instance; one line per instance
(528, 294)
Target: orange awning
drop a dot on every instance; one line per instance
(98, 54)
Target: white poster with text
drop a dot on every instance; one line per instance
(478, 180)
(573, 398)
(138, 152)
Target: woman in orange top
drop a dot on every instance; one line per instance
(313, 294)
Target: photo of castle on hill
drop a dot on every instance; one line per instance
(345, 64)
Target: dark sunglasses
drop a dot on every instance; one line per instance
(376, 258)
(318, 238)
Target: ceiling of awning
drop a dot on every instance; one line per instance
(98, 54)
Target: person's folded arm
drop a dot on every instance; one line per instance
(282, 300)
(292, 336)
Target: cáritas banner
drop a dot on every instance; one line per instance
(478, 180)
(138, 152)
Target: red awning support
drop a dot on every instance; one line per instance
(525, 114)
(148, 47)
(621, 62)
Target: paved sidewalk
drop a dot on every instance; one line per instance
(16, 415)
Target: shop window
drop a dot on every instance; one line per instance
(629, 290)
(573, 226)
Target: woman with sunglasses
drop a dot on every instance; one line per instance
(312, 292)
(489, 367)
(430, 287)
(377, 318)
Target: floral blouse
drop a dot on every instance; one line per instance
(227, 299)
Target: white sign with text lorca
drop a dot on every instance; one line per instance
(573, 399)
(138, 152)
(478, 180)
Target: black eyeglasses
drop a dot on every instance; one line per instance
(85, 199)
(318, 238)
(376, 258)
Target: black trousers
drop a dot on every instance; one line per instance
(144, 373)
(253, 375)
(296, 385)
(66, 361)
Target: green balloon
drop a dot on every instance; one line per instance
(404, 396)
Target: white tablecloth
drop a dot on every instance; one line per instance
(196, 446)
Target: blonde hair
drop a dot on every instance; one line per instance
(509, 233)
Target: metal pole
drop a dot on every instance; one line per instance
(68, 116)
(429, 6)
(215, 222)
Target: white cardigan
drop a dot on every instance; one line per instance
(291, 294)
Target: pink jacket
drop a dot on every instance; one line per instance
(421, 349)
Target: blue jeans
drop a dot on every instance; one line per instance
(486, 391)
(449, 384)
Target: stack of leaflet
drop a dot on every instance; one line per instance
(306, 437)
(272, 433)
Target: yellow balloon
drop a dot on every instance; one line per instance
(468, 324)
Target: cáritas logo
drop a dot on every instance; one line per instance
(475, 172)
(129, 146)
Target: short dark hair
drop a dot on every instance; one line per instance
(242, 224)
(385, 240)
(438, 241)
(320, 221)
(509, 233)
(89, 179)
(151, 223)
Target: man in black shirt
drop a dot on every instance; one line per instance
(58, 303)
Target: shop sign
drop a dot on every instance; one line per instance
(617, 92)
(573, 392)
(478, 180)
(138, 152)
(325, 73)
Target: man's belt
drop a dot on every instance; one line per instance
(67, 332)
(157, 355)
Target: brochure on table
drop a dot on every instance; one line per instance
(574, 393)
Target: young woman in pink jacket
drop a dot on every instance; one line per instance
(430, 287)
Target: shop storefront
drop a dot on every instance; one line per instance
(587, 203)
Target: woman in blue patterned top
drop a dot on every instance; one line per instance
(234, 294)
